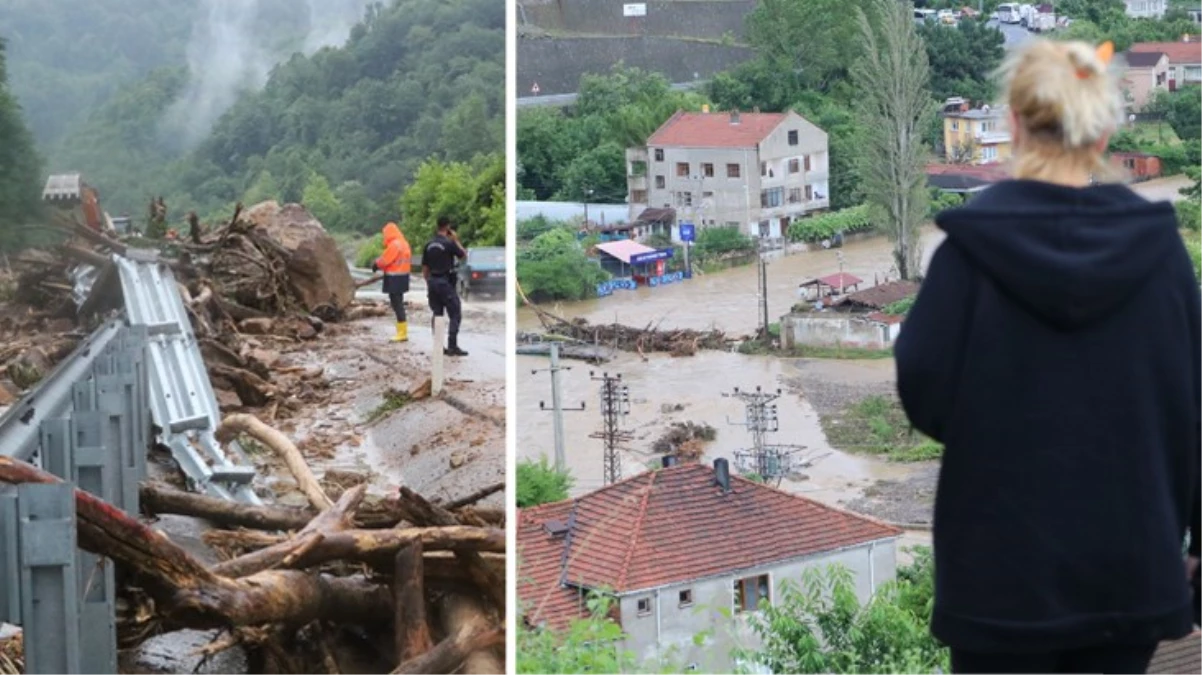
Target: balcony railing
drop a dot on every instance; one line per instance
(990, 137)
(817, 176)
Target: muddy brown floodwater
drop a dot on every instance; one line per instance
(727, 300)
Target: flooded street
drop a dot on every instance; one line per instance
(728, 299)
(664, 390)
(695, 384)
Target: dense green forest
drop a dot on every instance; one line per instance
(346, 128)
(20, 166)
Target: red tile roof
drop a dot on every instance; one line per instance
(841, 279)
(1179, 53)
(1178, 656)
(715, 130)
(669, 526)
(994, 171)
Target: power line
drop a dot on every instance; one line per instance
(615, 404)
(557, 408)
(768, 461)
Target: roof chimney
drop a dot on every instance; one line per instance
(734, 117)
(705, 108)
(722, 474)
(669, 461)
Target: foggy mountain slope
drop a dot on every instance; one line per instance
(418, 78)
(68, 57)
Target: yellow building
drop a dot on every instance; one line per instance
(974, 135)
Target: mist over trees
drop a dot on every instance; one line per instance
(200, 103)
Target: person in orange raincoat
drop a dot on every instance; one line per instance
(394, 263)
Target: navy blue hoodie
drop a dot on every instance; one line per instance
(1054, 350)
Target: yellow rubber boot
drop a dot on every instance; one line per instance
(402, 332)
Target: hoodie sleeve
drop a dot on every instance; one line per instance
(1195, 521)
(392, 251)
(930, 348)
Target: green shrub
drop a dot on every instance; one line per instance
(530, 228)
(901, 307)
(827, 225)
(539, 483)
(1189, 215)
(716, 241)
(1194, 246)
(369, 251)
(554, 267)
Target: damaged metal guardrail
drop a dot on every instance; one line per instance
(182, 405)
(136, 380)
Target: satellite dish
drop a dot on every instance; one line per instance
(1131, 118)
(826, 243)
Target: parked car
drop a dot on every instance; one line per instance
(483, 271)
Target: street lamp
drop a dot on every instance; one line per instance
(588, 192)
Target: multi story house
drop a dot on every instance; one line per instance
(1184, 60)
(974, 135)
(1146, 74)
(1146, 9)
(755, 171)
(687, 550)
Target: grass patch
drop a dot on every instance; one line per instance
(877, 425)
(756, 347)
(1151, 133)
(393, 400)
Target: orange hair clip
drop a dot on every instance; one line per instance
(1105, 53)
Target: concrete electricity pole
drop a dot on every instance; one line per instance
(557, 408)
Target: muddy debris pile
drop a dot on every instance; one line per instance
(685, 441)
(399, 584)
(254, 288)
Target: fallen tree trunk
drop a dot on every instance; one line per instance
(448, 656)
(462, 612)
(474, 497)
(359, 546)
(234, 425)
(190, 595)
(409, 599)
(158, 498)
(332, 520)
(419, 511)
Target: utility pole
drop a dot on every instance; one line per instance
(839, 257)
(557, 408)
(768, 461)
(762, 278)
(615, 404)
(588, 192)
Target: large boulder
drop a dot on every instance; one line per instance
(317, 272)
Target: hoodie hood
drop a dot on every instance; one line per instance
(392, 232)
(1070, 256)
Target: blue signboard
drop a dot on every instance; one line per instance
(650, 256)
(608, 287)
(688, 232)
(670, 277)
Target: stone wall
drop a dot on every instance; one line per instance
(712, 19)
(556, 64)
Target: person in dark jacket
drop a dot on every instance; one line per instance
(1054, 350)
(438, 268)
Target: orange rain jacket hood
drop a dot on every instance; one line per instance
(397, 254)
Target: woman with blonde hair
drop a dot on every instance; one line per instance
(1054, 350)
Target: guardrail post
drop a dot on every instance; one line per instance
(115, 394)
(10, 563)
(49, 602)
(97, 584)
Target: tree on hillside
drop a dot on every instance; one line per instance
(471, 195)
(963, 59)
(809, 40)
(20, 168)
(563, 156)
(893, 75)
(539, 483)
(1181, 109)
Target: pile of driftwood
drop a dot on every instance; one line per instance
(685, 440)
(269, 275)
(650, 338)
(401, 585)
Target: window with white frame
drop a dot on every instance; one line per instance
(989, 153)
(644, 606)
